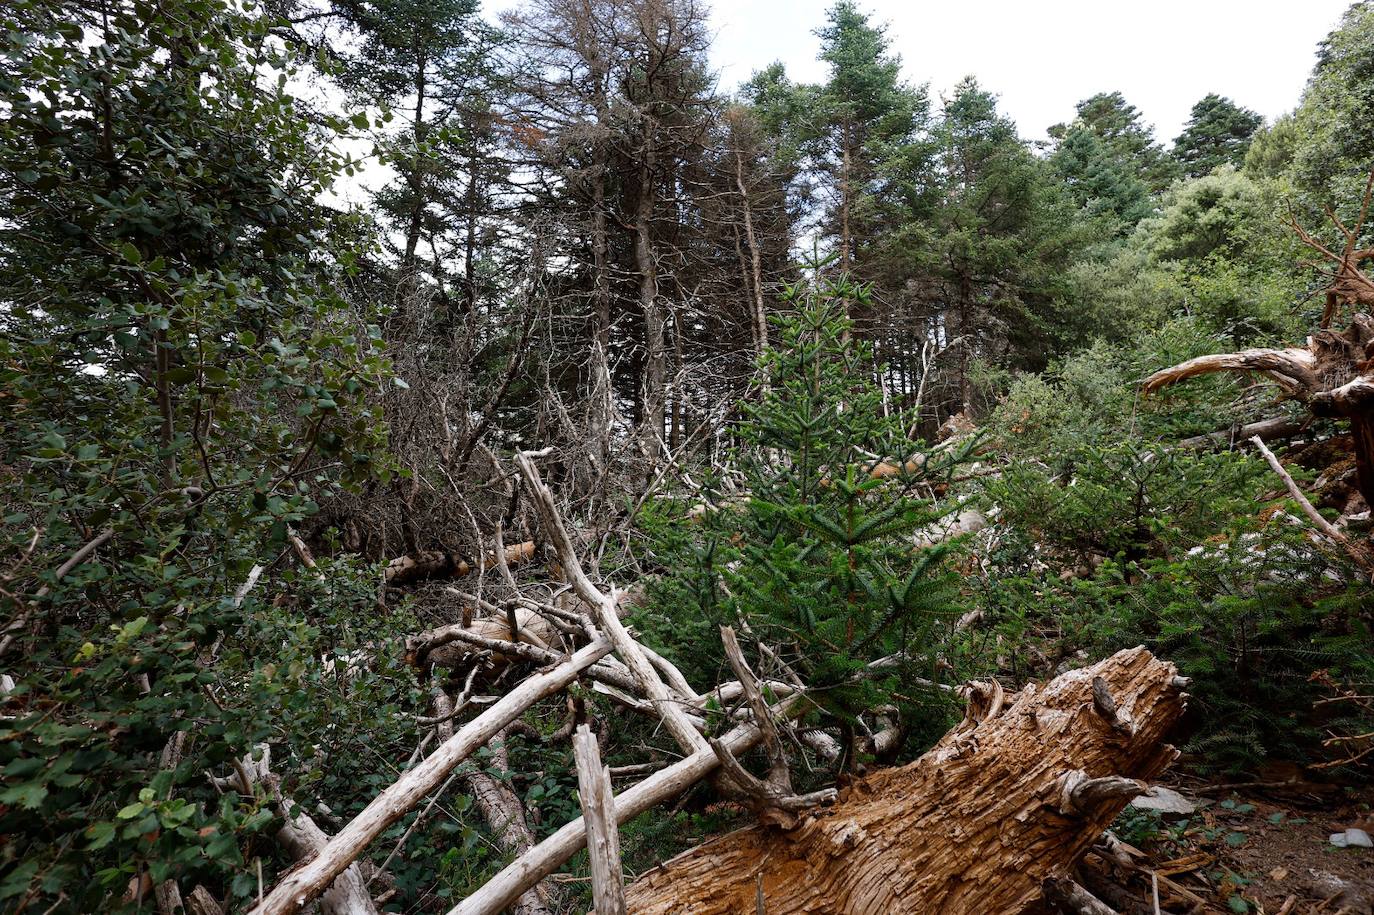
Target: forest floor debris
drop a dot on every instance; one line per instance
(1259, 850)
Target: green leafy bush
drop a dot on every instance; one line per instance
(181, 385)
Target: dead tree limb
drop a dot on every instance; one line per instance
(1355, 551)
(778, 773)
(302, 886)
(1293, 370)
(606, 612)
(1334, 374)
(603, 836)
(1265, 429)
(1071, 897)
(546, 857)
(1347, 285)
(974, 826)
(21, 620)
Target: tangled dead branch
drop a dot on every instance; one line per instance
(1333, 375)
(1016, 793)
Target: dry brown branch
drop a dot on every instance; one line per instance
(1347, 285)
(21, 620)
(1280, 427)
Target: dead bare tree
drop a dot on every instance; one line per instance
(1333, 375)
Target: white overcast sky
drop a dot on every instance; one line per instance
(1042, 56)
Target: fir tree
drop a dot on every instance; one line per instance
(822, 562)
(1117, 124)
(1218, 133)
(1097, 181)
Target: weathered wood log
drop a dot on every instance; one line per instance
(978, 824)
(598, 812)
(1070, 897)
(1267, 430)
(437, 646)
(1293, 370)
(1333, 376)
(304, 840)
(407, 570)
(200, 902)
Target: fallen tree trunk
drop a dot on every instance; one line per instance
(999, 809)
(1265, 430)
(407, 570)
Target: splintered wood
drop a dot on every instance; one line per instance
(979, 824)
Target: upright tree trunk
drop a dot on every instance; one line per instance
(759, 313)
(417, 182)
(677, 415)
(655, 355)
(846, 190)
(602, 408)
(966, 345)
(470, 235)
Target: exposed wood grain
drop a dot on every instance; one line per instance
(598, 812)
(974, 826)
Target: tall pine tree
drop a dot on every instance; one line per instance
(1218, 133)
